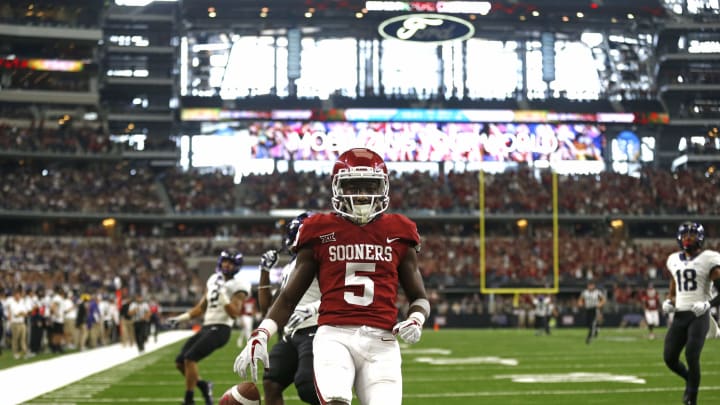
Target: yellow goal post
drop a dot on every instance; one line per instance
(484, 289)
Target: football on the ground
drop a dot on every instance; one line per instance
(245, 393)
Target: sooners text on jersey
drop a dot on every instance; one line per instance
(358, 265)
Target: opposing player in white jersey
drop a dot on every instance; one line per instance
(221, 304)
(693, 272)
(544, 309)
(291, 358)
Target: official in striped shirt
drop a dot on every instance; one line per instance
(592, 300)
(140, 312)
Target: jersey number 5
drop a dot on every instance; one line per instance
(686, 280)
(352, 279)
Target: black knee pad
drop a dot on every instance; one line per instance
(307, 393)
(305, 385)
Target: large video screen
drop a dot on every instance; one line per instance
(424, 142)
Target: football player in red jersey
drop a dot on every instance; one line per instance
(360, 255)
(651, 303)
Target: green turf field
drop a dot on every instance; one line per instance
(454, 367)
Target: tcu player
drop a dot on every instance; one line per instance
(693, 273)
(359, 255)
(221, 304)
(651, 303)
(292, 356)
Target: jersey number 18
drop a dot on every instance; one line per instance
(686, 280)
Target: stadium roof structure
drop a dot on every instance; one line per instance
(360, 18)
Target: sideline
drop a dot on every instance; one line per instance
(34, 379)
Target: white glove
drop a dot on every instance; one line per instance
(268, 259)
(700, 308)
(410, 329)
(668, 307)
(255, 349)
(174, 320)
(302, 312)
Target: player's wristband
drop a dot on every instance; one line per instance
(422, 303)
(269, 326)
(418, 316)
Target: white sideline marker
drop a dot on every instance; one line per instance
(40, 377)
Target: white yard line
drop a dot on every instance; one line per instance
(27, 381)
(439, 395)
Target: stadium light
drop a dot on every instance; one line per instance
(139, 3)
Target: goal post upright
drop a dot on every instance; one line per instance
(484, 289)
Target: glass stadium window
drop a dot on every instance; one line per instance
(251, 68)
(452, 59)
(493, 69)
(576, 76)
(703, 6)
(536, 87)
(328, 66)
(410, 69)
(576, 72)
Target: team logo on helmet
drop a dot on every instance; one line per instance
(234, 260)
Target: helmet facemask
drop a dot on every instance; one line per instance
(690, 237)
(360, 193)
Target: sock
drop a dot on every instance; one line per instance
(189, 396)
(203, 385)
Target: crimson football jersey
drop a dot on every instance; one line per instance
(357, 273)
(248, 307)
(651, 301)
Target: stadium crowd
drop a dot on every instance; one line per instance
(134, 189)
(75, 139)
(164, 267)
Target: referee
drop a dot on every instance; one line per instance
(139, 310)
(592, 300)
